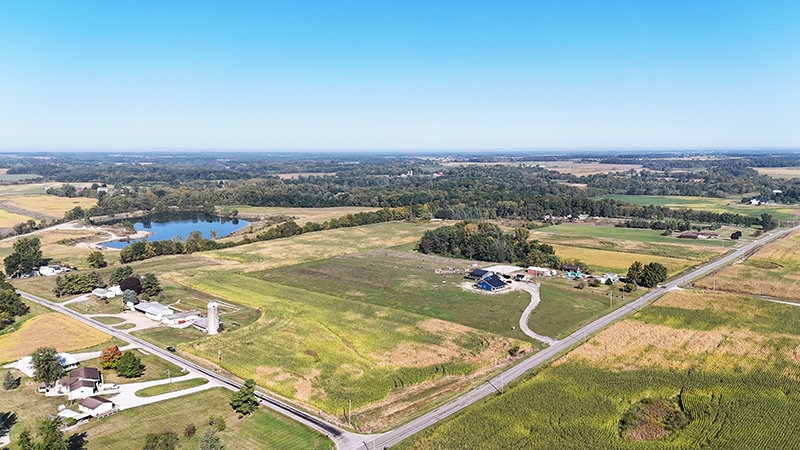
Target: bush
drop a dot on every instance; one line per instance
(189, 430)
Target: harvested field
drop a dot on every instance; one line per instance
(699, 252)
(771, 271)
(49, 330)
(8, 220)
(730, 362)
(49, 205)
(618, 262)
(300, 215)
(779, 172)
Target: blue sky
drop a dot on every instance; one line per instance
(400, 75)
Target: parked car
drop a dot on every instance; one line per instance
(172, 349)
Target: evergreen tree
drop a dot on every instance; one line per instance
(10, 381)
(635, 272)
(129, 365)
(244, 402)
(209, 440)
(97, 260)
(150, 285)
(653, 274)
(120, 273)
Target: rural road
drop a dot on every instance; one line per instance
(345, 440)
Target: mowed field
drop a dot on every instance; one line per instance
(321, 244)
(59, 246)
(773, 270)
(49, 330)
(323, 350)
(601, 261)
(732, 362)
(408, 282)
(9, 219)
(718, 205)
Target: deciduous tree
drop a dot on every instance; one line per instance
(209, 440)
(46, 364)
(110, 357)
(97, 260)
(26, 255)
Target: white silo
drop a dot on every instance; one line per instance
(213, 318)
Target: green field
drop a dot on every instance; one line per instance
(700, 251)
(718, 205)
(601, 261)
(563, 308)
(731, 360)
(171, 387)
(624, 234)
(407, 282)
(264, 429)
(18, 176)
(324, 350)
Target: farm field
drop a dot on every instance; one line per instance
(48, 205)
(718, 205)
(624, 234)
(304, 215)
(730, 360)
(4, 176)
(323, 350)
(9, 219)
(25, 189)
(601, 261)
(264, 429)
(563, 308)
(697, 252)
(779, 172)
(573, 168)
(320, 244)
(406, 281)
(772, 271)
(49, 330)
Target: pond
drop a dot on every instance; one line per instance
(166, 225)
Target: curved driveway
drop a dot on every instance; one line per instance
(345, 440)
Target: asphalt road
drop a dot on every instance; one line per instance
(345, 440)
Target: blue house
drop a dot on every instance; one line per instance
(491, 283)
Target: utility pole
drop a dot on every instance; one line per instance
(610, 294)
(219, 358)
(169, 377)
(349, 410)
(502, 382)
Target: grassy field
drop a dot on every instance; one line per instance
(601, 261)
(772, 270)
(18, 176)
(563, 308)
(49, 330)
(321, 244)
(731, 360)
(407, 282)
(172, 387)
(25, 189)
(684, 250)
(624, 234)
(264, 430)
(570, 167)
(718, 205)
(49, 205)
(324, 350)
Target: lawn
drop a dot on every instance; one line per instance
(564, 308)
(718, 205)
(58, 247)
(624, 234)
(407, 282)
(772, 270)
(172, 387)
(155, 369)
(730, 360)
(324, 350)
(264, 429)
(320, 244)
(49, 330)
(601, 261)
(701, 251)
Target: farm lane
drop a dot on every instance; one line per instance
(345, 440)
(533, 289)
(342, 439)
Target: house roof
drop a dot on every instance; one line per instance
(87, 373)
(94, 402)
(570, 267)
(494, 281)
(688, 234)
(99, 291)
(77, 383)
(65, 359)
(479, 273)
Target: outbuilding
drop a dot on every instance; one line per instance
(478, 274)
(95, 405)
(182, 317)
(153, 310)
(491, 283)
